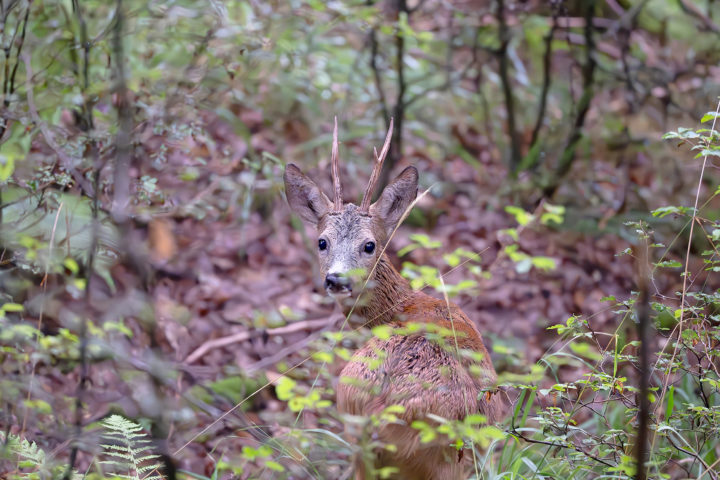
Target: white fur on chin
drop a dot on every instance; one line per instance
(340, 295)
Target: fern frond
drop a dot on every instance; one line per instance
(128, 450)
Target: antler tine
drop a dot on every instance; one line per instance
(377, 168)
(336, 170)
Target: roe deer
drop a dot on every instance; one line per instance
(415, 371)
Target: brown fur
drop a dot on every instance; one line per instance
(423, 375)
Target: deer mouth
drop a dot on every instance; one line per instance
(338, 285)
(338, 292)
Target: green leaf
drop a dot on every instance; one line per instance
(709, 116)
(521, 216)
(284, 388)
(325, 357)
(544, 263)
(425, 241)
(671, 209)
(668, 264)
(682, 133)
(585, 350)
(273, 465)
(452, 259)
(252, 453)
(709, 152)
(40, 406)
(395, 409)
(553, 213)
(383, 332)
(427, 432)
(475, 419)
(71, 265)
(12, 307)
(117, 326)
(7, 167)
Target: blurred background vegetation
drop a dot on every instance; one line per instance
(157, 297)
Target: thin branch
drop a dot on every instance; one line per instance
(203, 349)
(90, 264)
(643, 327)
(374, 68)
(697, 457)
(87, 122)
(396, 146)
(11, 91)
(547, 66)
(561, 445)
(443, 86)
(121, 193)
(174, 97)
(65, 159)
(504, 34)
(477, 82)
(693, 11)
(588, 73)
(9, 79)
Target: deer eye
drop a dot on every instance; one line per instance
(369, 247)
(322, 244)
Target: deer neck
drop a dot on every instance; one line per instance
(389, 292)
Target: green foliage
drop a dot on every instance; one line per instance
(27, 461)
(128, 450)
(590, 441)
(272, 74)
(550, 214)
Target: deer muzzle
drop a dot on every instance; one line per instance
(337, 285)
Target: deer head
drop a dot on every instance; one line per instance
(350, 238)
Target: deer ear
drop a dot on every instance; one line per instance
(396, 197)
(304, 196)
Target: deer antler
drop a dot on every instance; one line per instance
(377, 168)
(336, 171)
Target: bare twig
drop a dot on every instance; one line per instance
(11, 88)
(121, 192)
(396, 145)
(588, 74)
(561, 445)
(708, 468)
(9, 77)
(92, 250)
(48, 135)
(41, 313)
(547, 66)
(374, 67)
(694, 11)
(282, 353)
(643, 315)
(248, 334)
(504, 34)
(174, 97)
(446, 65)
(87, 122)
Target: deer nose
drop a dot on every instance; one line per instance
(334, 282)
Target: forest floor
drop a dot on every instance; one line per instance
(235, 292)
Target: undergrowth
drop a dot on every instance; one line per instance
(559, 427)
(262, 72)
